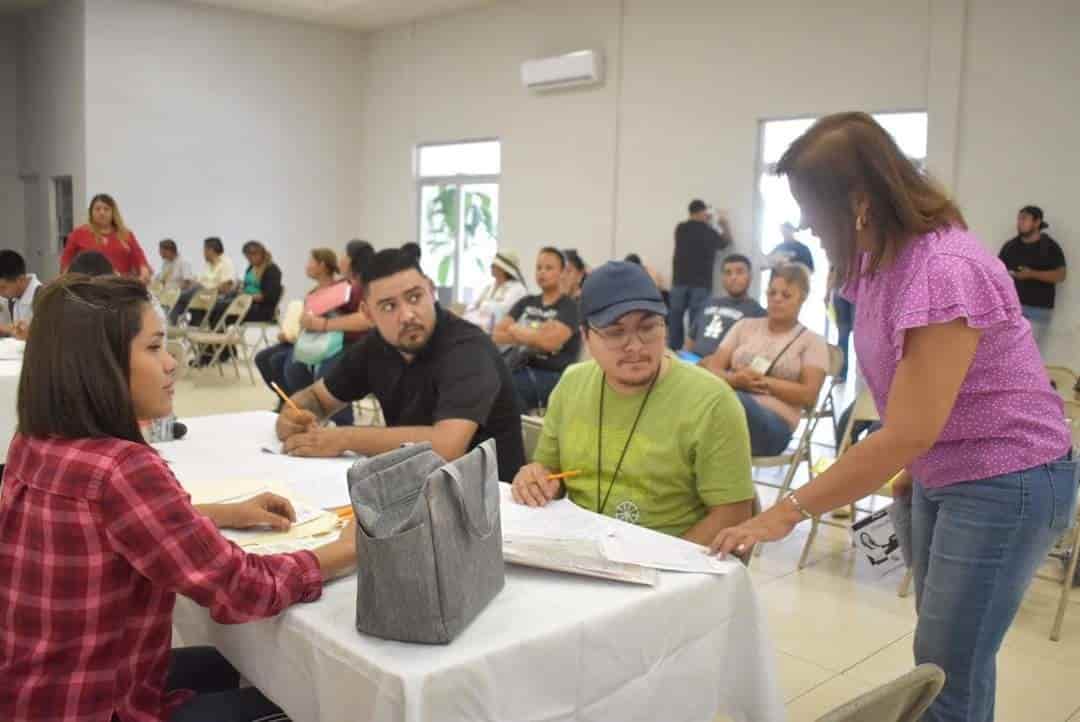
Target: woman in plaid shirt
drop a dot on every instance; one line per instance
(97, 537)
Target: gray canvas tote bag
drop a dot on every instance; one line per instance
(428, 541)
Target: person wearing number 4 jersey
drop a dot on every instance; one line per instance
(776, 364)
(722, 312)
(659, 443)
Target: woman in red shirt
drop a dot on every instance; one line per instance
(97, 537)
(107, 234)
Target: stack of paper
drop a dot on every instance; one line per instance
(564, 537)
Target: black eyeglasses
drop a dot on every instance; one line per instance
(617, 337)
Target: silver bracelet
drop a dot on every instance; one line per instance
(799, 507)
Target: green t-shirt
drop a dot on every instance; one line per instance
(691, 450)
(252, 286)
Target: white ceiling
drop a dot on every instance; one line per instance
(356, 14)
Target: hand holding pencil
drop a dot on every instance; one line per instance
(535, 485)
(292, 419)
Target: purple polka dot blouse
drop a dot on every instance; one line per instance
(1007, 417)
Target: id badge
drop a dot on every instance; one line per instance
(760, 365)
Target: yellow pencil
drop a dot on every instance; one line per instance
(564, 475)
(285, 397)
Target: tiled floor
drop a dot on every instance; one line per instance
(839, 627)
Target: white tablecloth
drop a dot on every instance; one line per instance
(549, 647)
(9, 386)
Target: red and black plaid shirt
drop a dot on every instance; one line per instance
(96, 539)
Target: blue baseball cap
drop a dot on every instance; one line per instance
(616, 289)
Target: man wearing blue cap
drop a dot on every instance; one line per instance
(658, 442)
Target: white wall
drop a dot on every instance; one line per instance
(1020, 138)
(12, 225)
(610, 169)
(206, 122)
(458, 78)
(51, 118)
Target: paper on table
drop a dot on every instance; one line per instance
(304, 512)
(287, 546)
(618, 542)
(660, 551)
(574, 556)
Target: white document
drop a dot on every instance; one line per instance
(660, 551)
(617, 542)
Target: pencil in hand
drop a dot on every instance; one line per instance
(564, 475)
(285, 397)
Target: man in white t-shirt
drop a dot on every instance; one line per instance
(17, 291)
(175, 271)
(219, 273)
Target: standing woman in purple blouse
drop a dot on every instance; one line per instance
(966, 405)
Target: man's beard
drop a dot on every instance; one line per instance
(413, 346)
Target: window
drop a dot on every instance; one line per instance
(777, 206)
(458, 218)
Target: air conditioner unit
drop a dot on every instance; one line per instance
(584, 67)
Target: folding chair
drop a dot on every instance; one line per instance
(903, 700)
(1068, 549)
(801, 453)
(229, 332)
(203, 300)
(863, 410)
(531, 426)
(369, 406)
(167, 297)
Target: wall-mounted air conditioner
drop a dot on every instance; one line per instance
(584, 67)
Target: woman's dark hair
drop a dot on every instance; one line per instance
(737, 258)
(555, 252)
(76, 371)
(252, 246)
(847, 157)
(360, 254)
(91, 263)
(214, 244)
(169, 245)
(386, 263)
(633, 258)
(572, 257)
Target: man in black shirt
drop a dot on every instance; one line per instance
(696, 246)
(437, 377)
(1037, 264)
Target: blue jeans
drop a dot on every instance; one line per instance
(769, 433)
(271, 363)
(218, 697)
(684, 299)
(975, 548)
(1039, 318)
(298, 376)
(533, 387)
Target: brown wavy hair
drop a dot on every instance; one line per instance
(848, 158)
